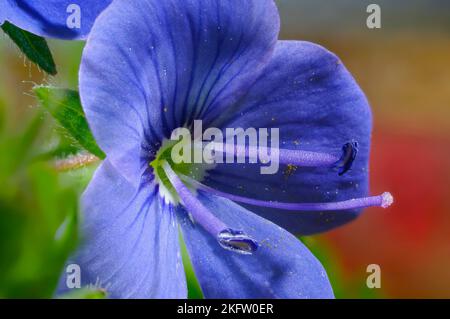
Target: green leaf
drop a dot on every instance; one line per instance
(38, 232)
(38, 219)
(20, 149)
(2, 115)
(60, 145)
(65, 106)
(33, 46)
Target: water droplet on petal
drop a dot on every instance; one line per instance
(237, 241)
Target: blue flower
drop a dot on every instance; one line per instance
(61, 19)
(152, 66)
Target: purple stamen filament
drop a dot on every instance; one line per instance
(293, 157)
(385, 200)
(228, 238)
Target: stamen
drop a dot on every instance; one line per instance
(233, 240)
(385, 200)
(296, 157)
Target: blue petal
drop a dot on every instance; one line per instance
(282, 267)
(152, 66)
(131, 244)
(307, 93)
(48, 18)
(3, 14)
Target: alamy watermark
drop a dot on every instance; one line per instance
(74, 16)
(73, 20)
(73, 276)
(229, 146)
(374, 18)
(374, 279)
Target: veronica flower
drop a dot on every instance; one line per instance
(61, 19)
(152, 66)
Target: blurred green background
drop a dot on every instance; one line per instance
(404, 68)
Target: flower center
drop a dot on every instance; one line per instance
(166, 189)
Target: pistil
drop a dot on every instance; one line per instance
(228, 238)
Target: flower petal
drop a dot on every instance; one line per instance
(152, 66)
(282, 267)
(309, 95)
(3, 14)
(131, 244)
(49, 18)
